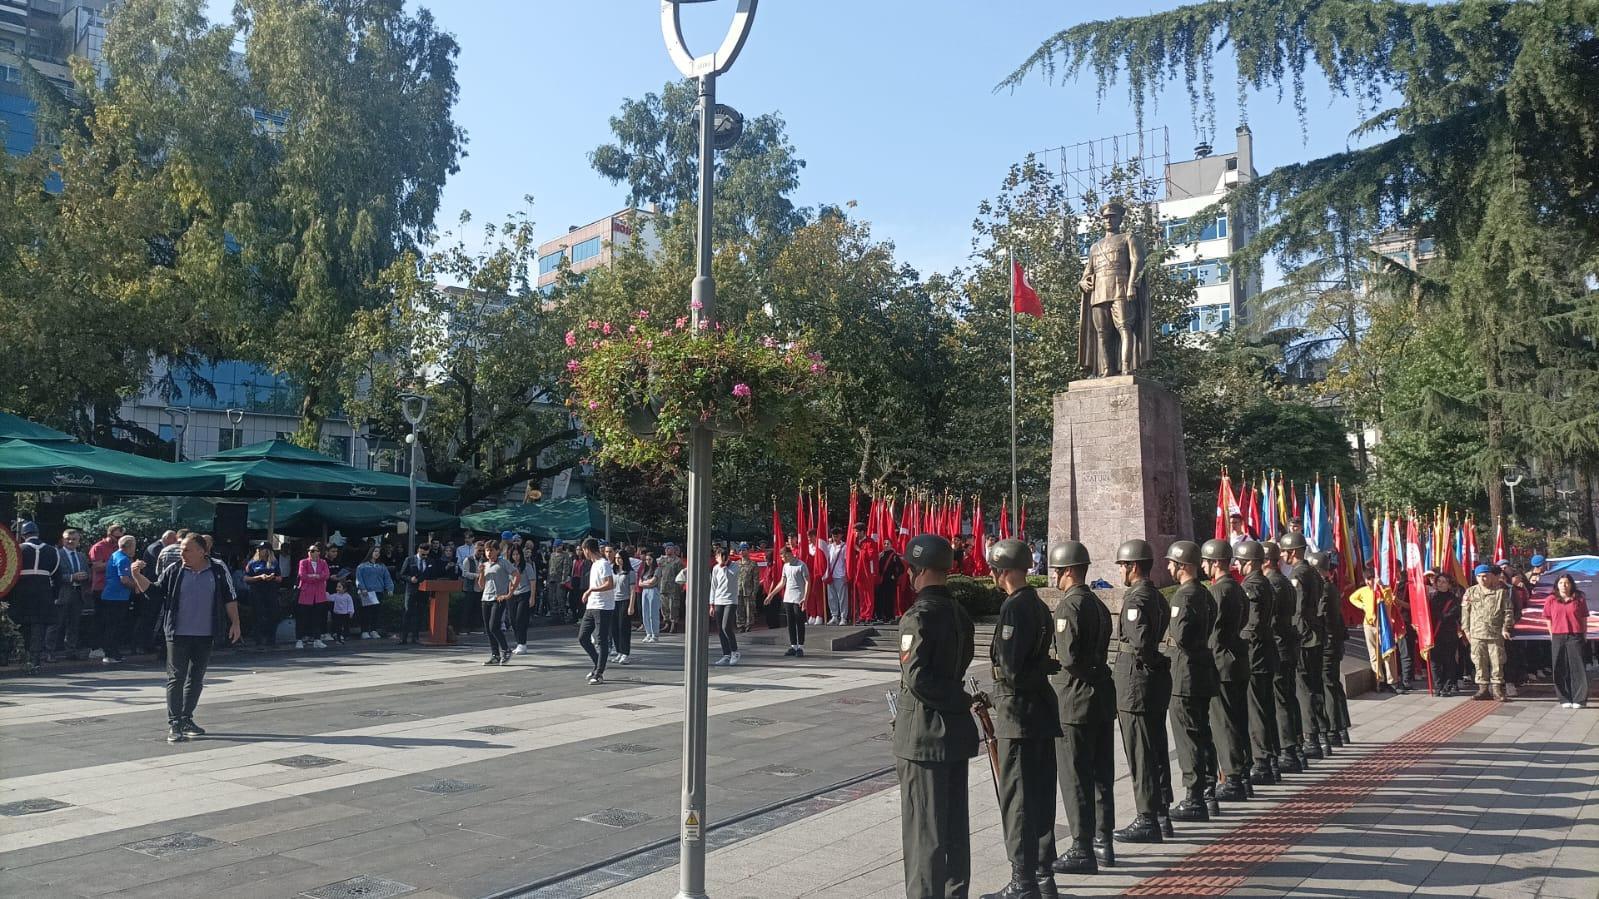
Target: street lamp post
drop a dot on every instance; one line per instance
(180, 423)
(1511, 480)
(702, 307)
(413, 407)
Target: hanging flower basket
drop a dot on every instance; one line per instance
(642, 389)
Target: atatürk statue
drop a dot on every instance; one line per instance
(1114, 336)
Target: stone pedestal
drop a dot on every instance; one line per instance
(1118, 471)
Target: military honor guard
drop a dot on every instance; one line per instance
(1143, 692)
(1260, 638)
(1229, 713)
(1285, 686)
(1332, 670)
(1194, 682)
(1308, 588)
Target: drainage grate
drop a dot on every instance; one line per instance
(616, 817)
(754, 722)
(449, 786)
(74, 722)
(781, 771)
(852, 700)
(523, 694)
(305, 761)
(492, 729)
(628, 748)
(31, 807)
(386, 713)
(734, 688)
(172, 844)
(630, 707)
(362, 887)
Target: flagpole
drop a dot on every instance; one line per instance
(1015, 492)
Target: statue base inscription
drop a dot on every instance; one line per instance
(1118, 471)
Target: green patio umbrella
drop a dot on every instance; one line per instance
(566, 519)
(34, 457)
(295, 517)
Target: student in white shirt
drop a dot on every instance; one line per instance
(793, 586)
(599, 604)
(724, 605)
(838, 587)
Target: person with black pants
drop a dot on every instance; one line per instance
(793, 583)
(413, 572)
(197, 605)
(262, 575)
(724, 605)
(496, 581)
(599, 604)
(1444, 609)
(622, 619)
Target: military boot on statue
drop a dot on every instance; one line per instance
(1144, 829)
(1079, 859)
(1022, 886)
(1105, 850)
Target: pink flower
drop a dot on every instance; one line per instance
(705, 325)
(696, 304)
(649, 344)
(572, 365)
(814, 357)
(741, 390)
(644, 313)
(632, 329)
(594, 404)
(594, 325)
(769, 342)
(681, 322)
(817, 368)
(571, 339)
(596, 344)
(606, 328)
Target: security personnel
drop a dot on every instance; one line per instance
(1258, 636)
(1143, 692)
(34, 596)
(1027, 723)
(1285, 686)
(1332, 671)
(1193, 619)
(1307, 584)
(1229, 714)
(934, 734)
(1087, 713)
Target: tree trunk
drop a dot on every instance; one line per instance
(866, 455)
(1588, 514)
(310, 418)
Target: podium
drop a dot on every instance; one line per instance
(438, 630)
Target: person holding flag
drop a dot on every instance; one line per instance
(1371, 599)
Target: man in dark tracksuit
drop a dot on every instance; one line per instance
(1027, 723)
(1229, 714)
(1285, 686)
(1087, 713)
(934, 734)
(1193, 618)
(1332, 671)
(1143, 692)
(1307, 584)
(1261, 603)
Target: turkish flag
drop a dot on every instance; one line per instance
(1026, 298)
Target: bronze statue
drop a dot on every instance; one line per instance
(1114, 334)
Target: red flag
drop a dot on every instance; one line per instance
(979, 564)
(774, 564)
(1499, 543)
(1004, 520)
(1224, 505)
(1021, 521)
(1420, 613)
(1025, 298)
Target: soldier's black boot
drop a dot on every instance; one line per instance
(1312, 747)
(1105, 850)
(1276, 772)
(1327, 744)
(1022, 886)
(1163, 818)
(1335, 738)
(1232, 791)
(1261, 774)
(1144, 829)
(1347, 741)
(1080, 859)
(1191, 808)
(1210, 799)
(1249, 784)
(1045, 875)
(1288, 763)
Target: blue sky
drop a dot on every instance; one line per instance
(889, 102)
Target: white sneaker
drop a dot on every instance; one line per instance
(733, 659)
(724, 660)
(327, 636)
(519, 649)
(299, 644)
(320, 645)
(621, 660)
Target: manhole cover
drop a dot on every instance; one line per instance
(172, 844)
(781, 771)
(492, 729)
(523, 694)
(852, 700)
(754, 722)
(385, 713)
(31, 807)
(630, 706)
(616, 817)
(362, 887)
(449, 786)
(735, 688)
(628, 748)
(275, 699)
(305, 761)
(819, 676)
(74, 722)
(426, 683)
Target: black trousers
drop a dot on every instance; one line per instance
(1570, 676)
(1027, 800)
(1196, 744)
(1312, 695)
(521, 609)
(935, 828)
(494, 623)
(1086, 770)
(113, 617)
(369, 617)
(1285, 695)
(1445, 659)
(727, 628)
(1229, 725)
(187, 658)
(416, 609)
(1144, 741)
(311, 621)
(63, 632)
(796, 623)
(265, 615)
(621, 628)
(596, 623)
(1263, 738)
(1332, 680)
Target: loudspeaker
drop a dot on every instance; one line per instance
(227, 528)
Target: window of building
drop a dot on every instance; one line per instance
(1180, 231)
(1210, 318)
(229, 438)
(551, 261)
(1232, 163)
(588, 249)
(1203, 272)
(337, 447)
(1085, 242)
(235, 385)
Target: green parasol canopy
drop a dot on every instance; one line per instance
(567, 519)
(279, 468)
(295, 517)
(34, 457)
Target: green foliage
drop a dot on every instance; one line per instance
(978, 595)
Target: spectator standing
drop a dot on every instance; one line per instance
(170, 553)
(372, 582)
(32, 599)
(100, 557)
(724, 605)
(343, 608)
(1485, 616)
(522, 598)
(749, 588)
(153, 551)
(465, 551)
(599, 603)
(1444, 605)
(198, 605)
(650, 598)
(262, 577)
(310, 613)
(1386, 667)
(671, 592)
(1566, 610)
(793, 585)
(413, 572)
(626, 605)
(891, 568)
(471, 566)
(496, 581)
(558, 579)
(117, 598)
(72, 601)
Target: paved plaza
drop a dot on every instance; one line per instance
(379, 771)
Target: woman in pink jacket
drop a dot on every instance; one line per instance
(311, 614)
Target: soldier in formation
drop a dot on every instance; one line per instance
(1193, 619)
(1291, 757)
(1087, 699)
(1260, 637)
(1229, 713)
(1143, 691)
(1312, 624)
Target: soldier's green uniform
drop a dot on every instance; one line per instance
(1087, 715)
(1229, 714)
(1143, 692)
(934, 736)
(1307, 584)
(1027, 722)
(1194, 682)
(1261, 602)
(1332, 671)
(1285, 686)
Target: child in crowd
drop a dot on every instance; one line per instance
(343, 611)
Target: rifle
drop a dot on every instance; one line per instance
(985, 729)
(893, 709)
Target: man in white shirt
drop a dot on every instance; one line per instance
(837, 585)
(599, 604)
(793, 585)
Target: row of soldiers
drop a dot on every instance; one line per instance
(1247, 669)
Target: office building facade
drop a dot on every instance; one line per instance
(586, 247)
